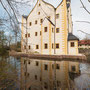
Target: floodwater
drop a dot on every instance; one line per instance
(34, 74)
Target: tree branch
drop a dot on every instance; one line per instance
(85, 7)
(84, 22)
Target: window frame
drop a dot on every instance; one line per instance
(36, 33)
(45, 46)
(28, 34)
(45, 67)
(38, 13)
(30, 23)
(72, 44)
(37, 46)
(29, 47)
(57, 30)
(36, 22)
(45, 29)
(56, 45)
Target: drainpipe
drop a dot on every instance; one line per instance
(26, 38)
(55, 83)
(55, 31)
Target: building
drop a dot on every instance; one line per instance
(48, 30)
(41, 74)
(84, 44)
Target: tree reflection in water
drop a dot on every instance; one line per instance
(8, 74)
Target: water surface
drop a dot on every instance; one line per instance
(34, 74)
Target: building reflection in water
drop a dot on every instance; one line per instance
(40, 74)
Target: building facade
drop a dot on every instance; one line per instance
(84, 44)
(48, 30)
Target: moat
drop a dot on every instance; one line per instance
(34, 74)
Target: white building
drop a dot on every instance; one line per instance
(48, 30)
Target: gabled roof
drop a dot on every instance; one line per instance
(45, 3)
(72, 37)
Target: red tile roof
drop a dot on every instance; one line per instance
(84, 42)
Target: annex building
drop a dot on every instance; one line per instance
(48, 30)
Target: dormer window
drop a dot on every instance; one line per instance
(38, 13)
(30, 23)
(39, 4)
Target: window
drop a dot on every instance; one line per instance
(24, 47)
(73, 68)
(57, 16)
(45, 85)
(45, 29)
(72, 44)
(57, 66)
(28, 74)
(35, 33)
(40, 78)
(38, 13)
(57, 30)
(29, 47)
(25, 73)
(28, 62)
(52, 66)
(39, 4)
(53, 30)
(30, 23)
(29, 88)
(46, 46)
(24, 61)
(45, 67)
(57, 46)
(35, 77)
(41, 20)
(28, 34)
(37, 46)
(58, 83)
(40, 33)
(52, 45)
(36, 22)
(37, 63)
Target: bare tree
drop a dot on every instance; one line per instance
(13, 9)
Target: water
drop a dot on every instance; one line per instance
(33, 74)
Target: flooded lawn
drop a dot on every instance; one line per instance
(33, 74)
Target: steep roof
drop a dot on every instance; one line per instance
(72, 37)
(45, 3)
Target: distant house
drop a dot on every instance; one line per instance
(39, 33)
(84, 44)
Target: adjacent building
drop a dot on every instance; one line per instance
(49, 30)
(84, 44)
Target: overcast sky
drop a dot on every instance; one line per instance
(78, 14)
